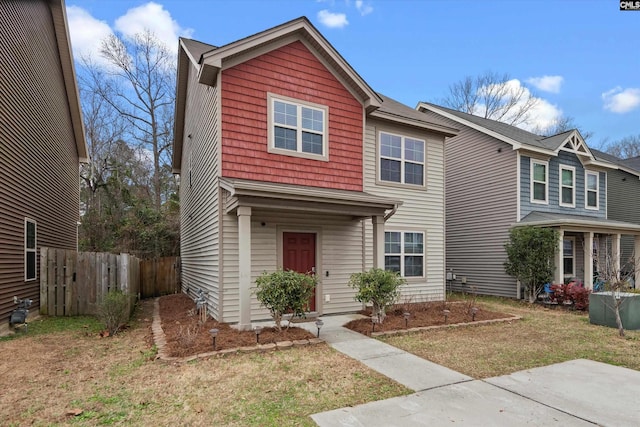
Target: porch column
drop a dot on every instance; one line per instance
(378, 241)
(558, 277)
(615, 254)
(588, 260)
(244, 267)
(636, 260)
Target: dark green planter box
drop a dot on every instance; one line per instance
(601, 310)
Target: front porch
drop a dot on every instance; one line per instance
(587, 243)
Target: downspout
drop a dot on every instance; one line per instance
(393, 211)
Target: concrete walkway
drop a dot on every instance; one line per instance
(574, 393)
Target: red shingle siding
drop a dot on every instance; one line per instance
(294, 72)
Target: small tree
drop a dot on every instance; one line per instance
(378, 287)
(617, 276)
(284, 292)
(530, 253)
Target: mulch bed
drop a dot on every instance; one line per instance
(186, 335)
(423, 314)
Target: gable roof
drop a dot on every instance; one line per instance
(61, 29)
(633, 163)
(570, 140)
(209, 60)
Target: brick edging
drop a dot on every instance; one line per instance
(453, 325)
(160, 341)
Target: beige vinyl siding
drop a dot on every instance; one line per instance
(624, 205)
(339, 251)
(199, 194)
(39, 176)
(422, 209)
(481, 205)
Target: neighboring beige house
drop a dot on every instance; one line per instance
(288, 159)
(499, 176)
(41, 145)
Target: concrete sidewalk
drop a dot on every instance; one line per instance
(574, 393)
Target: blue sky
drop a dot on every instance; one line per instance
(580, 57)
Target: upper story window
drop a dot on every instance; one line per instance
(539, 181)
(567, 186)
(30, 245)
(404, 252)
(592, 190)
(402, 159)
(298, 128)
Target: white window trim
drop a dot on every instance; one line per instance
(271, 98)
(546, 184)
(573, 256)
(402, 160)
(586, 190)
(33, 250)
(561, 186)
(402, 253)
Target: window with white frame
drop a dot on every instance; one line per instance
(539, 181)
(298, 128)
(404, 252)
(30, 245)
(592, 189)
(568, 254)
(402, 159)
(567, 186)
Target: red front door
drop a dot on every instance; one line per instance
(299, 254)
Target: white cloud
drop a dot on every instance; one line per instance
(547, 83)
(542, 115)
(86, 33)
(332, 20)
(154, 17)
(363, 8)
(619, 100)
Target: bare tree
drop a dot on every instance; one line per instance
(625, 148)
(140, 86)
(492, 96)
(616, 275)
(562, 124)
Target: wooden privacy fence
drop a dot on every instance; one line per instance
(72, 283)
(159, 276)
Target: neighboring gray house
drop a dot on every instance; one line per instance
(41, 144)
(623, 194)
(499, 176)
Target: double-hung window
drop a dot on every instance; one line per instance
(567, 186)
(298, 128)
(30, 245)
(404, 253)
(592, 190)
(568, 255)
(402, 159)
(539, 181)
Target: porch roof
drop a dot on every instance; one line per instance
(269, 195)
(579, 223)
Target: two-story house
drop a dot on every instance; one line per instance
(41, 144)
(499, 176)
(288, 159)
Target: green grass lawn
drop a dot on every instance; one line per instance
(542, 337)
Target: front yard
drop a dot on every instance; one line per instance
(45, 376)
(542, 337)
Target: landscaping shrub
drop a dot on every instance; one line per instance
(571, 295)
(284, 292)
(377, 287)
(114, 310)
